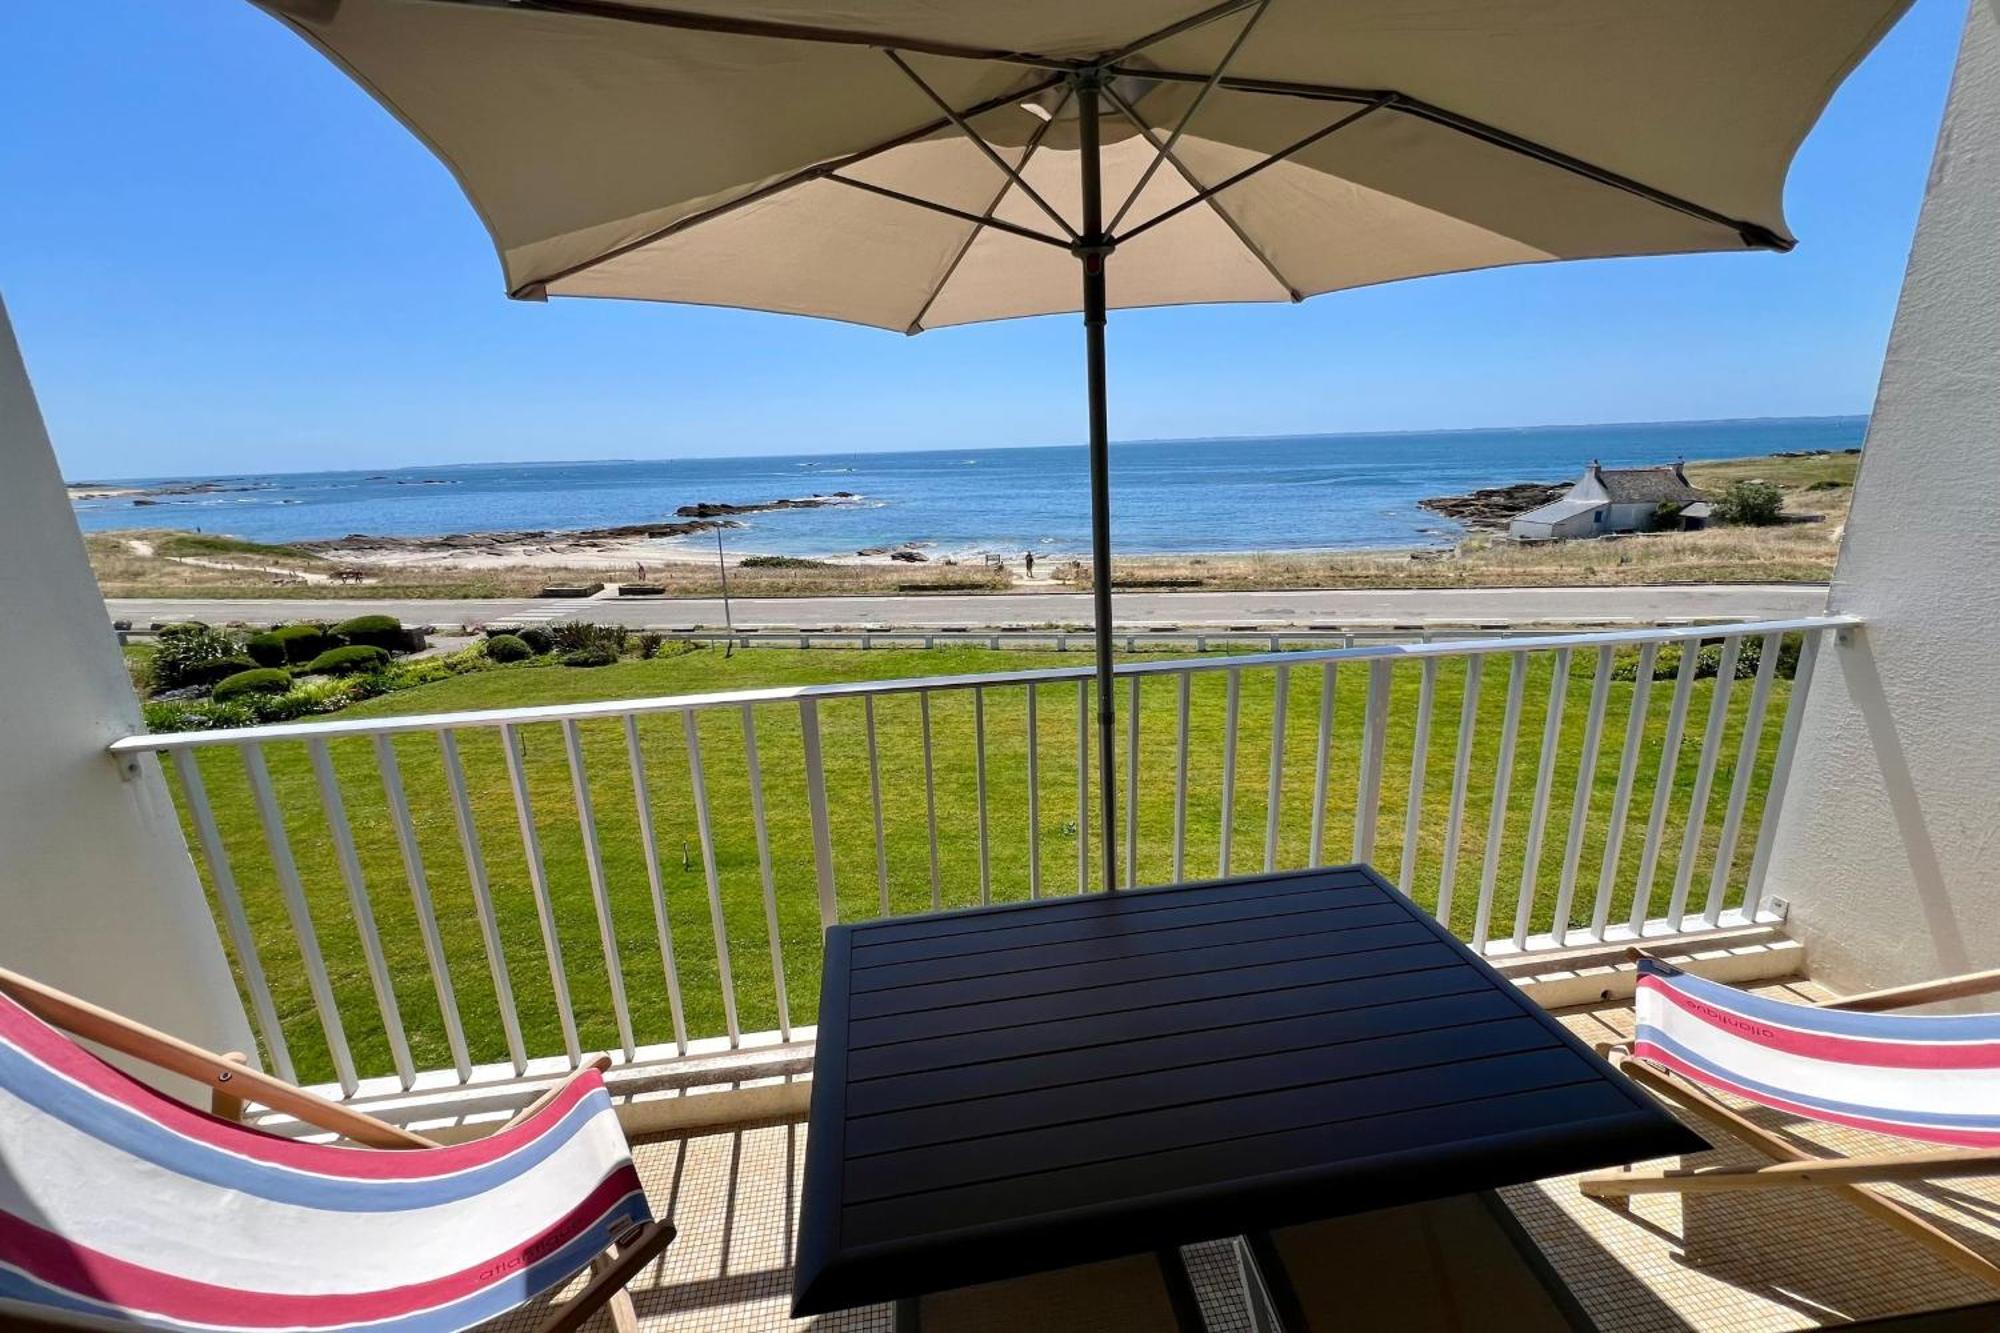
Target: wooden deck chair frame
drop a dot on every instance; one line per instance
(1847, 1178)
(232, 1084)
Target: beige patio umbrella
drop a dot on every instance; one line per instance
(912, 164)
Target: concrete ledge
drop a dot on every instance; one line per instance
(1596, 973)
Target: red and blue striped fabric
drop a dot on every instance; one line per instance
(122, 1207)
(1931, 1078)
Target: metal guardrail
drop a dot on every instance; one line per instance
(343, 790)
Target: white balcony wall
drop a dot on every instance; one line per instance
(1889, 844)
(97, 891)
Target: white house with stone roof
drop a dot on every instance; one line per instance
(1606, 500)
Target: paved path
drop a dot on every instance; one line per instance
(1354, 607)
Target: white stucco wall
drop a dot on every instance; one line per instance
(1888, 847)
(97, 891)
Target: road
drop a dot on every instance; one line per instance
(1347, 608)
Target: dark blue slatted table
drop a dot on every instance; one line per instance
(1019, 1088)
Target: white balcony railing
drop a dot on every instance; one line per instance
(615, 875)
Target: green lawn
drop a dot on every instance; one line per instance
(749, 946)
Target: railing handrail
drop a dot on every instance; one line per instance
(619, 708)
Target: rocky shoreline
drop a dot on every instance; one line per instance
(716, 509)
(1491, 509)
(542, 538)
(626, 541)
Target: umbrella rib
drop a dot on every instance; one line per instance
(1125, 108)
(1166, 150)
(1754, 234)
(980, 143)
(537, 288)
(1188, 24)
(1207, 193)
(1011, 228)
(764, 28)
(937, 290)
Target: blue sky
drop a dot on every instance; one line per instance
(219, 255)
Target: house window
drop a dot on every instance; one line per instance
(1597, 517)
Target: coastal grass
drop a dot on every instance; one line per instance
(1817, 485)
(730, 931)
(165, 563)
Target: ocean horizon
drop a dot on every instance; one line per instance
(1229, 494)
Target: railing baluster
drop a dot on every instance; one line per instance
(538, 884)
(187, 766)
(1503, 781)
(287, 870)
(1185, 688)
(1322, 763)
(1538, 818)
(979, 787)
(1621, 801)
(1739, 786)
(1461, 775)
(816, 810)
(718, 924)
(755, 771)
(1781, 771)
(1034, 800)
(1663, 784)
(364, 914)
(875, 802)
(1586, 784)
(377, 951)
(930, 799)
(1275, 787)
(420, 898)
(1420, 747)
(482, 900)
(1374, 736)
(1704, 778)
(642, 798)
(1231, 710)
(1132, 782)
(1083, 788)
(600, 897)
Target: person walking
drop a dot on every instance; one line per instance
(1028, 559)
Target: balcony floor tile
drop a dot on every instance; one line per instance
(1752, 1263)
(1725, 1263)
(734, 1196)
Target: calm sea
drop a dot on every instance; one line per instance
(1289, 493)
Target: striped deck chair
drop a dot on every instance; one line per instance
(1932, 1079)
(121, 1207)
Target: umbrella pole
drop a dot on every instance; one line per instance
(1092, 249)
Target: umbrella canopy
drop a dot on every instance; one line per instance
(911, 164)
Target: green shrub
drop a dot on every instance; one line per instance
(353, 660)
(182, 629)
(257, 680)
(589, 657)
(384, 632)
(508, 648)
(303, 643)
(573, 636)
(649, 646)
(1708, 661)
(196, 655)
(1755, 504)
(537, 639)
(202, 715)
(265, 649)
(781, 562)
